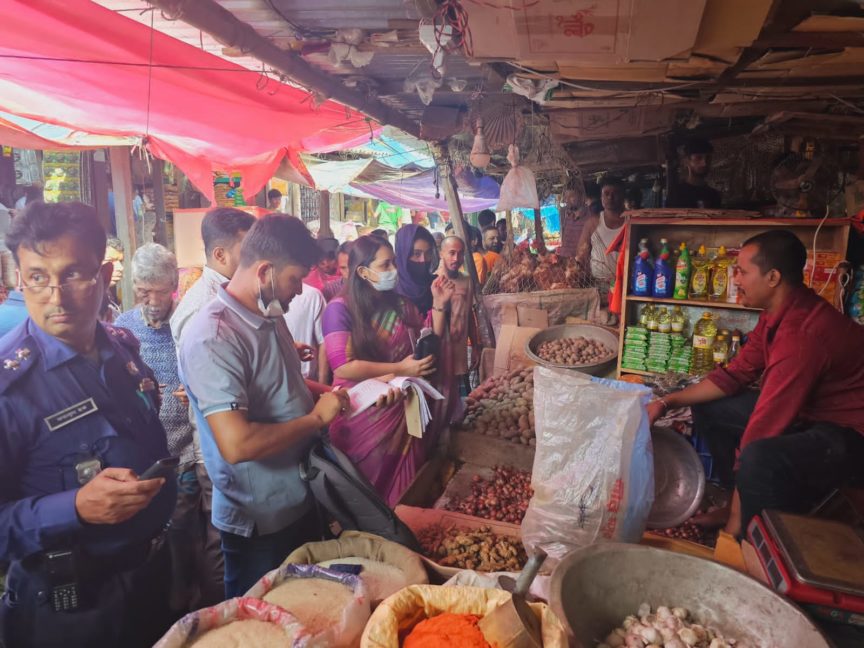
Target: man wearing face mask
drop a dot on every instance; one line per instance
(257, 416)
(415, 255)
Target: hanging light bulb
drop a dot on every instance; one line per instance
(480, 155)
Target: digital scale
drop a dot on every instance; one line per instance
(816, 563)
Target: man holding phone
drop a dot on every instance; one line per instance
(79, 414)
(257, 416)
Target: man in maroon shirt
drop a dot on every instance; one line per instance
(802, 435)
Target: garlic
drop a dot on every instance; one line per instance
(633, 641)
(629, 621)
(663, 612)
(644, 610)
(701, 632)
(718, 643)
(688, 636)
(681, 613)
(615, 640)
(673, 623)
(651, 636)
(674, 643)
(668, 634)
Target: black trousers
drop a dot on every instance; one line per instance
(792, 472)
(128, 609)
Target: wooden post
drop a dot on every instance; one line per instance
(508, 217)
(121, 181)
(487, 335)
(324, 230)
(99, 182)
(538, 233)
(157, 177)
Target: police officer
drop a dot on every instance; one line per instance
(79, 421)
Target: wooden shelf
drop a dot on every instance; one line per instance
(638, 220)
(639, 372)
(691, 302)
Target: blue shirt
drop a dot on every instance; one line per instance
(234, 359)
(12, 312)
(41, 377)
(160, 354)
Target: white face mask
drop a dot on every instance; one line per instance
(274, 308)
(386, 280)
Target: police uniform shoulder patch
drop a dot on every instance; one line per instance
(17, 356)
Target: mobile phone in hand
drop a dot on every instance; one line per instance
(428, 344)
(165, 467)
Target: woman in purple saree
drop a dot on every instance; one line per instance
(369, 333)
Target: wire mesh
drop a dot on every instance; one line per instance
(527, 272)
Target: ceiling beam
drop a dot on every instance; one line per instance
(221, 24)
(804, 40)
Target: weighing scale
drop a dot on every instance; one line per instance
(817, 563)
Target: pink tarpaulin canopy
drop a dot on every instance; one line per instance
(77, 64)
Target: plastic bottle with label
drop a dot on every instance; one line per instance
(651, 322)
(664, 321)
(700, 276)
(664, 274)
(721, 351)
(704, 334)
(682, 273)
(643, 271)
(678, 320)
(735, 346)
(720, 276)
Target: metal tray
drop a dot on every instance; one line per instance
(679, 480)
(575, 330)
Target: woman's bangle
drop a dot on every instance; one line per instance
(439, 310)
(663, 402)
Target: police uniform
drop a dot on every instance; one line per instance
(62, 419)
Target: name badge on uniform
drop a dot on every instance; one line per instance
(71, 414)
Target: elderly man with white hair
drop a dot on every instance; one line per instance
(154, 280)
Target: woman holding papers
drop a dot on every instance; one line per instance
(369, 333)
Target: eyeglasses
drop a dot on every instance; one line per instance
(42, 289)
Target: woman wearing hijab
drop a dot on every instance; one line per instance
(368, 332)
(416, 261)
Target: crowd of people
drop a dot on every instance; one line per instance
(236, 379)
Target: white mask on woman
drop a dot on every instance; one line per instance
(386, 280)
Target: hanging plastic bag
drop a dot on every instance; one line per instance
(195, 624)
(519, 188)
(330, 619)
(593, 474)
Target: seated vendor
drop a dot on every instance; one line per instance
(801, 435)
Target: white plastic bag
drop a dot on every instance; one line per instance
(519, 188)
(593, 474)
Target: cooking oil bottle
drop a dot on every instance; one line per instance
(664, 322)
(651, 322)
(701, 275)
(735, 347)
(643, 315)
(704, 334)
(678, 320)
(721, 351)
(720, 276)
